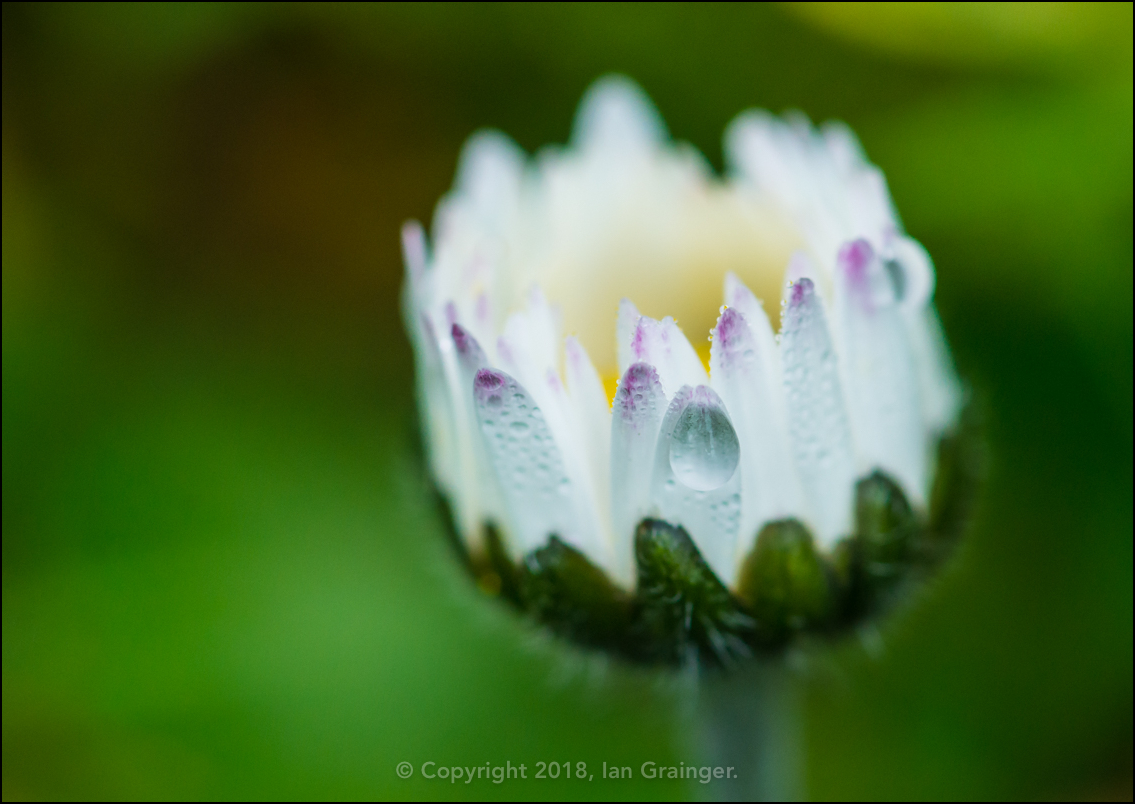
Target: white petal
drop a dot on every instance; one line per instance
(762, 149)
(745, 371)
(471, 358)
(477, 498)
(529, 346)
(882, 386)
(696, 483)
(434, 407)
(817, 419)
(415, 292)
(438, 418)
(525, 350)
(489, 174)
(911, 270)
(799, 267)
(868, 211)
(616, 116)
(592, 417)
(739, 296)
(470, 354)
(414, 250)
(843, 145)
(539, 495)
(822, 179)
(764, 342)
(635, 418)
(662, 344)
(624, 332)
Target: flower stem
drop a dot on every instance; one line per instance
(750, 720)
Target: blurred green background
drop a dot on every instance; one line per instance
(223, 573)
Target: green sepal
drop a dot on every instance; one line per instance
(685, 612)
(681, 613)
(870, 565)
(885, 525)
(785, 582)
(563, 590)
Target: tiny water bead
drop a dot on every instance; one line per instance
(704, 450)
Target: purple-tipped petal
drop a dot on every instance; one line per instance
(639, 396)
(662, 344)
(739, 297)
(818, 425)
(799, 267)
(439, 422)
(489, 384)
(529, 350)
(476, 496)
(635, 418)
(624, 331)
(732, 341)
(469, 352)
(746, 373)
(862, 283)
(695, 482)
(538, 493)
(879, 371)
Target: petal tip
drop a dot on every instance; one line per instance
(800, 292)
(461, 338)
(639, 387)
(414, 248)
(487, 385)
(728, 326)
(854, 257)
(639, 375)
(616, 113)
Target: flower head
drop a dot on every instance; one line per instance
(660, 496)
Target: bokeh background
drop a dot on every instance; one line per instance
(223, 572)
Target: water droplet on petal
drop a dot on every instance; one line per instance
(704, 450)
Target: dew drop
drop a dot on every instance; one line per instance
(704, 450)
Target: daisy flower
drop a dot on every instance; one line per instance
(674, 416)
